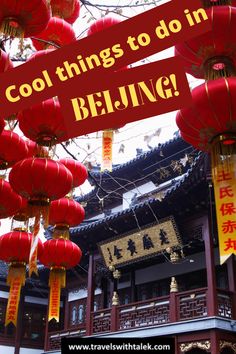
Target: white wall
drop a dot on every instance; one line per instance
(4, 294)
(29, 351)
(143, 189)
(7, 350)
(78, 294)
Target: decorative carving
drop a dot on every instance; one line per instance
(101, 321)
(204, 345)
(173, 285)
(115, 299)
(147, 314)
(224, 305)
(226, 344)
(192, 306)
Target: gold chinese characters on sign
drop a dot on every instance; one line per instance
(141, 244)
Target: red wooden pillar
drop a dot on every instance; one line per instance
(114, 318)
(18, 332)
(215, 349)
(46, 338)
(90, 297)
(66, 313)
(232, 282)
(173, 307)
(212, 308)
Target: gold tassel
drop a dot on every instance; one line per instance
(107, 141)
(57, 280)
(61, 231)
(16, 279)
(218, 67)
(12, 28)
(34, 247)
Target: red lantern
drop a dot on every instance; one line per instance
(12, 149)
(47, 126)
(40, 53)
(67, 9)
(2, 125)
(58, 31)
(15, 246)
(24, 18)
(65, 213)
(10, 202)
(40, 180)
(215, 50)
(58, 255)
(212, 113)
(78, 170)
(102, 24)
(15, 249)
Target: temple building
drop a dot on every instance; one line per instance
(150, 264)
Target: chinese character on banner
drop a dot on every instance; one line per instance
(225, 192)
(107, 141)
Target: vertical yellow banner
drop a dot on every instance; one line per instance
(13, 301)
(225, 197)
(107, 141)
(54, 300)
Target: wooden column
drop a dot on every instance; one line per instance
(66, 314)
(19, 324)
(46, 337)
(90, 297)
(133, 288)
(212, 309)
(214, 342)
(232, 282)
(173, 307)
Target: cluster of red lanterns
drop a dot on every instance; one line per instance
(38, 186)
(210, 123)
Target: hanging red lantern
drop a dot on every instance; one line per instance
(24, 18)
(40, 180)
(58, 255)
(15, 249)
(40, 53)
(102, 24)
(47, 127)
(78, 170)
(12, 149)
(57, 32)
(65, 213)
(68, 10)
(2, 125)
(215, 51)
(210, 125)
(212, 113)
(10, 202)
(107, 135)
(210, 3)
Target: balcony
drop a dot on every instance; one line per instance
(176, 307)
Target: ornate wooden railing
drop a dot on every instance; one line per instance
(153, 312)
(145, 313)
(225, 303)
(192, 304)
(101, 321)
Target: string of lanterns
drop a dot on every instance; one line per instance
(39, 188)
(209, 124)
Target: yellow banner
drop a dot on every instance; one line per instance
(107, 141)
(16, 279)
(225, 197)
(54, 299)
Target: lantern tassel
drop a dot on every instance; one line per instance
(107, 141)
(16, 279)
(61, 231)
(12, 28)
(223, 155)
(57, 280)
